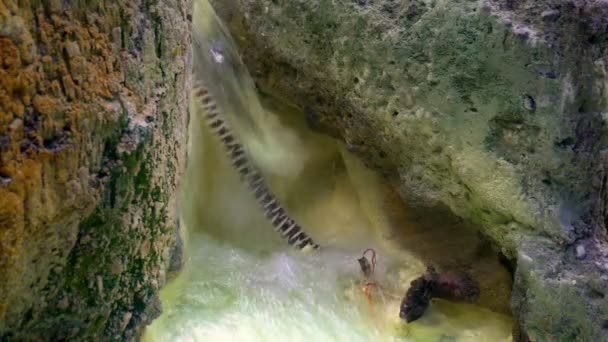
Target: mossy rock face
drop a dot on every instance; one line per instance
(92, 140)
(495, 109)
(559, 296)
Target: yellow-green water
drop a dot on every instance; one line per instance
(240, 282)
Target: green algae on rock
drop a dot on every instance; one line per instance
(92, 140)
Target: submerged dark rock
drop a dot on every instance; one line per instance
(452, 286)
(417, 298)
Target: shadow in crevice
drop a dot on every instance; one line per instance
(440, 238)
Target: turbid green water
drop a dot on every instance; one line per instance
(227, 294)
(241, 282)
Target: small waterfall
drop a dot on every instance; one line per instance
(241, 282)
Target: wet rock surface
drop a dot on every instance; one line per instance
(495, 109)
(451, 286)
(87, 180)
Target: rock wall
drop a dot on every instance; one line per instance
(92, 139)
(494, 109)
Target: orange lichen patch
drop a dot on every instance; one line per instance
(24, 174)
(76, 67)
(11, 235)
(69, 86)
(9, 55)
(45, 104)
(11, 85)
(50, 97)
(10, 204)
(61, 105)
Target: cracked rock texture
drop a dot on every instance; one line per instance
(494, 109)
(92, 140)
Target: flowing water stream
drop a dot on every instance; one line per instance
(241, 282)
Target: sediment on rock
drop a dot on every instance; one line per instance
(92, 138)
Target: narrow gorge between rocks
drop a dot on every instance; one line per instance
(240, 282)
